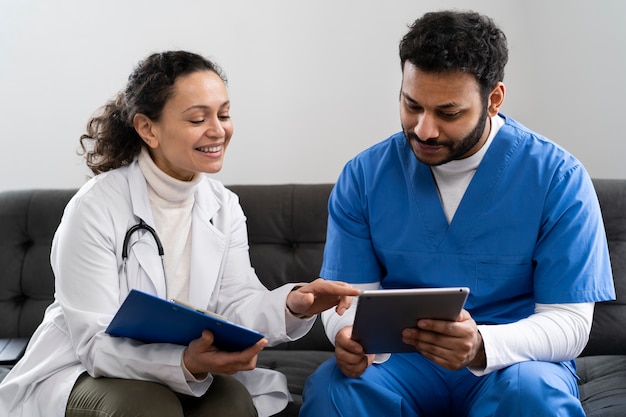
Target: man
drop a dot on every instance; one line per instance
(464, 196)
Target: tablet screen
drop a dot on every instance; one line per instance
(382, 314)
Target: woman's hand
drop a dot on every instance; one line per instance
(320, 295)
(202, 357)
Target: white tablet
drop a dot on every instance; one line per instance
(382, 314)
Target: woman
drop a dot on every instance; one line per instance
(151, 146)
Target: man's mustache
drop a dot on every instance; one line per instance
(427, 142)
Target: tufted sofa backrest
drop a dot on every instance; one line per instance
(28, 220)
(286, 224)
(287, 231)
(608, 332)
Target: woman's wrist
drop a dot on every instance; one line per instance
(293, 313)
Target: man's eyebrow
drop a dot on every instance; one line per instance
(411, 100)
(408, 97)
(450, 105)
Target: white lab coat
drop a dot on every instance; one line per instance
(90, 285)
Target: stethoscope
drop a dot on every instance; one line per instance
(141, 226)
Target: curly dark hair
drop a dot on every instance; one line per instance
(457, 41)
(111, 140)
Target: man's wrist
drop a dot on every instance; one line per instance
(480, 360)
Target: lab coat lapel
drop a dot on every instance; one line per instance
(145, 267)
(142, 245)
(208, 249)
(139, 194)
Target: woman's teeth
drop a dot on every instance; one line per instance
(210, 149)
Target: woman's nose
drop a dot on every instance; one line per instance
(215, 128)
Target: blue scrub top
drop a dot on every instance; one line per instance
(528, 229)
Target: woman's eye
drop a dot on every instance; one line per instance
(197, 122)
(224, 117)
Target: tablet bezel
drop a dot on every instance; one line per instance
(381, 315)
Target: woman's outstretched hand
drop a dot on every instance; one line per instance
(320, 295)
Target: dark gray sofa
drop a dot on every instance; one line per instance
(287, 226)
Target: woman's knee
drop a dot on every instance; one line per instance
(111, 397)
(114, 397)
(226, 397)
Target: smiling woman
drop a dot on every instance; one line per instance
(150, 148)
(194, 128)
(164, 92)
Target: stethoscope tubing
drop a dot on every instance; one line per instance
(139, 226)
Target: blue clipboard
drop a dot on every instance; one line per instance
(151, 319)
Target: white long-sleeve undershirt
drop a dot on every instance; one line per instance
(554, 333)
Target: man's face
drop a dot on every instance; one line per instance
(442, 114)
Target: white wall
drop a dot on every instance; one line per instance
(312, 82)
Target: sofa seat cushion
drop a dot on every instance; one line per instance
(603, 385)
(296, 365)
(4, 370)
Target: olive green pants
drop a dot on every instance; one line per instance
(111, 397)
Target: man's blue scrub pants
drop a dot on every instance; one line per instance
(409, 385)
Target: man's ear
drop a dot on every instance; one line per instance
(145, 128)
(496, 99)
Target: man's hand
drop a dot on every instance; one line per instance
(350, 357)
(202, 357)
(320, 295)
(451, 344)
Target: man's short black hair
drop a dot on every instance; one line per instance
(448, 41)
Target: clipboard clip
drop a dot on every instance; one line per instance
(199, 310)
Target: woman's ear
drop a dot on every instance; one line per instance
(496, 99)
(145, 129)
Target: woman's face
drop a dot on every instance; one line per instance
(194, 129)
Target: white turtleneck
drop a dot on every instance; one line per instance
(172, 202)
(454, 177)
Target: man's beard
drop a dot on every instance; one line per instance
(457, 149)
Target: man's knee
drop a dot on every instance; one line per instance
(316, 385)
(550, 376)
(540, 388)
(330, 393)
